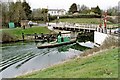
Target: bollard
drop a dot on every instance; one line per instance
(105, 30)
(96, 29)
(23, 36)
(110, 31)
(35, 35)
(101, 30)
(42, 35)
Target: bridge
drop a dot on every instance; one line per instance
(76, 27)
(99, 34)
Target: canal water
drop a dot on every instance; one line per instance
(24, 57)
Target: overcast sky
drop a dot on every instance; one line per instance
(65, 4)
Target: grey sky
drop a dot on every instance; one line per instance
(65, 4)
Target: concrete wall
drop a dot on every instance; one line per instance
(99, 37)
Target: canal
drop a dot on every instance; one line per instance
(24, 57)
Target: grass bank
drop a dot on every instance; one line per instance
(87, 21)
(17, 32)
(101, 65)
(82, 20)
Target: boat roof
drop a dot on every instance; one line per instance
(65, 31)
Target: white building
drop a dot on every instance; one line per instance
(54, 12)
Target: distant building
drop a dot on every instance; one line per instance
(54, 12)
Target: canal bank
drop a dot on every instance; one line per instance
(15, 34)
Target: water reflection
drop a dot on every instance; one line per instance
(79, 47)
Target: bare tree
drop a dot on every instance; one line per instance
(84, 9)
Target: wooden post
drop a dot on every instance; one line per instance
(23, 26)
(35, 36)
(23, 36)
(42, 35)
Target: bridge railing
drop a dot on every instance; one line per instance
(76, 25)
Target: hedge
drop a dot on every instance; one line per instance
(68, 16)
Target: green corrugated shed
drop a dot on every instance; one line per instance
(11, 25)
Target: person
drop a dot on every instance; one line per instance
(59, 36)
(30, 23)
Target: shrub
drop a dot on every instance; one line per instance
(109, 42)
(90, 51)
(74, 16)
(51, 18)
(81, 16)
(6, 37)
(115, 21)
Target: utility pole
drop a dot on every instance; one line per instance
(48, 16)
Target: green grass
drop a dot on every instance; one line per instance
(102, 65)
(82, 20)
(18, 31)
(87, 21)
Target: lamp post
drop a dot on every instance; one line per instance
(58, 17)
(48, 18)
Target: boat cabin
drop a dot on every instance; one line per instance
(63, 37)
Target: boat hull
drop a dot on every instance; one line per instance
(56, 45)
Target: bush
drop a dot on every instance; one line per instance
(51, 18)
(90, 51)
(74, 16)
(81, 16)
(6, 37)
(114, 21)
